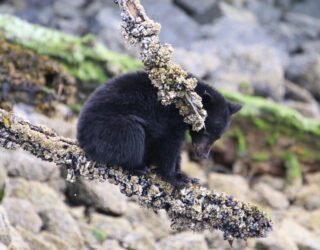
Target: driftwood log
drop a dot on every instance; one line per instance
(192, 208)
(174, 84)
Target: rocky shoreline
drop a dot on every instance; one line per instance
(265, 48)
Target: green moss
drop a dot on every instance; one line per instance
(306, 153)
(75, 107)
(273, 138)
(242, 145)
(71, 50)
(291, 121)
(88, 72)
(2, 192)
(261, 156)
(100, 235)
(260, 124)
(293, 167)
(188, 137)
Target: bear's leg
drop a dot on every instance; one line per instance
(117, 140)
(182, 175)
(168, 160)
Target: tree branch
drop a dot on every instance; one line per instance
(173, 83)
(192, 208)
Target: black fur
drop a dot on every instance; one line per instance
(123, 123)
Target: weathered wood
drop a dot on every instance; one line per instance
(192, 208)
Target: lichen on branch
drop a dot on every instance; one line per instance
(191, 208)
(174, 84)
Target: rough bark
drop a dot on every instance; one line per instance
(174, 84)
(192, 208)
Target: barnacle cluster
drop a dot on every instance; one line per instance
(27, 77)
(173, 83)
(192, 208)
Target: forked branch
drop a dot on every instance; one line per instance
(192, 208)
(174, 84)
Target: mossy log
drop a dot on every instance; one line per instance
(191, 208)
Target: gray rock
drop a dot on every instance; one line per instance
(310, 25)
(6, 9)
(110, 34)
(140, 238)
(308, 196)
(310, 110)
(277, 183)
(313, 178)
(276, 240)
(178, 29)
(157, 224)
(27, 166)
(35, 241)
(3, 178)
(56, 241)
(226, 184)
(311, 47)
(271, 197)
(110, 245)
(307, 7)
(17, 209)
(199, 64)
(244, 68)
(204, 8)
(185, 241)
(39, 194)
(62, 127)
(305, 70)
(215, 240)
(113, 227)
(286, 36)
(308, 219)
(5, 235)
(68, 9)
(303, 238)
(17, 241)
(264, 12)
(75, 26)
(9, 237)
(104, 196)
(59, 222)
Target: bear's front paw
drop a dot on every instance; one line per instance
(186, 178)
(142, 171)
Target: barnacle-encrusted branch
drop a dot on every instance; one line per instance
(192, 208)
(173, 83)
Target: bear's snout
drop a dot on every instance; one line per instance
(202, 150)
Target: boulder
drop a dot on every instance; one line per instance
(39, 194)
(302, 237)
(178, 29)
(23, 214)
(234, 185)
(271, 197)
(103, 196)
(186, 241)
(59, 222)
(308, 196)
(304, 70)
(307, 7)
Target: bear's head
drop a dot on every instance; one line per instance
(217, 122)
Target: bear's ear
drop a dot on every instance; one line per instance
(207, 98)
(234, 108)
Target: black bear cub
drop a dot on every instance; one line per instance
(124, 124)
